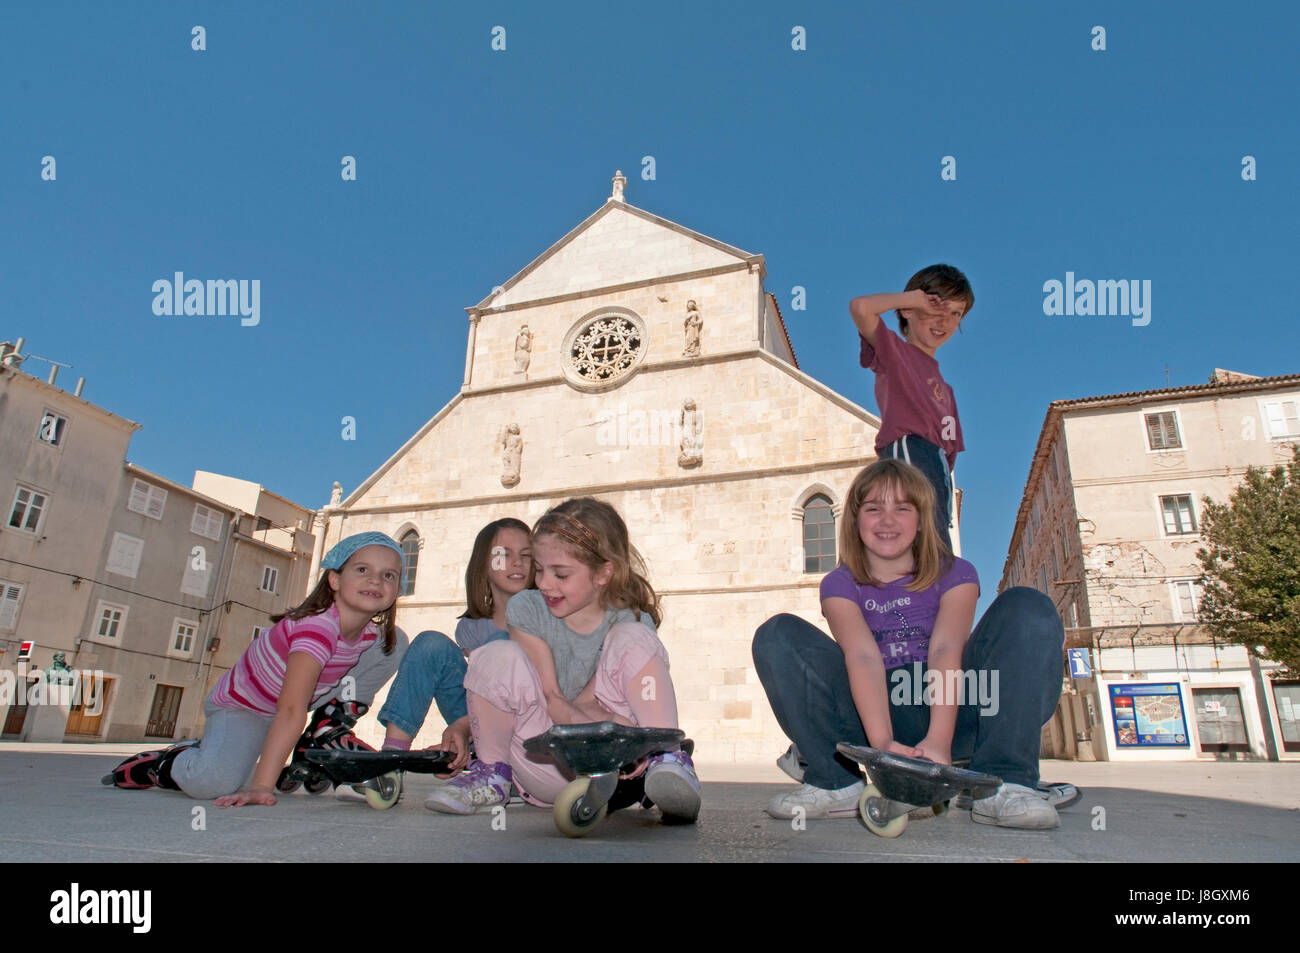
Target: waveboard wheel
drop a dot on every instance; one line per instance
(387, 788)
(890, 828)
(568, 810)
(316, 784)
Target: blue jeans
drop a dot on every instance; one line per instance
(433, 669)
(1019, 640)
(931, 461)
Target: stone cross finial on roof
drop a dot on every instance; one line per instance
(620, 180)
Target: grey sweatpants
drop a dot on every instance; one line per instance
(225, 760)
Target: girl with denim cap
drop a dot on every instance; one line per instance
(258, 709)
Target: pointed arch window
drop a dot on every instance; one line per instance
(410, 542)
(818, 535)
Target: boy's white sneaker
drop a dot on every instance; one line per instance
(1015, 805)
(808, 801)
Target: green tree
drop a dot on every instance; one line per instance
(1251, 564)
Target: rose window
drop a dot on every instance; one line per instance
(600, 352)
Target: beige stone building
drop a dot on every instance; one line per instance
(190, 579)
(643, 363)
(147, 589)
(1109, 526)
(60, 473)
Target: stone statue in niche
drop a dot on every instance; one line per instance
(523, 350)
(512, 446)
(693, 325)
(336, 495)
(692, 444)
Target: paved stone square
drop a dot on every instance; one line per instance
(55, 810)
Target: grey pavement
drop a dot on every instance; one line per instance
(55, 810)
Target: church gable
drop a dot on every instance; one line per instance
(617, 245)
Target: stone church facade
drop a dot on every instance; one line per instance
(643, 363)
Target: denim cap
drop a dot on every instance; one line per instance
(343, 549)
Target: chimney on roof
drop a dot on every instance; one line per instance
(54, 372)
(81, 383)
(1220, 376)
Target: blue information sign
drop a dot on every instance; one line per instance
(1148, 716)
(1079, 667)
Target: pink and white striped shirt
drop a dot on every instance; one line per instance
(254, 684)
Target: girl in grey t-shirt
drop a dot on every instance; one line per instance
(584, 647)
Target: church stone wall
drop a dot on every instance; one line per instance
(728, 304)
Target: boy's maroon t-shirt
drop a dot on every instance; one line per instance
(912, 395)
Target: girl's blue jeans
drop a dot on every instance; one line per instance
(433, 670)
(1013, 660)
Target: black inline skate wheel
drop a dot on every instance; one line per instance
(287, 783)
(317, 784)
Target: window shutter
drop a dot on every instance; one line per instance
(124, 557)
(9, 596)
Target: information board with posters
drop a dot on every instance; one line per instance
(1148, 716)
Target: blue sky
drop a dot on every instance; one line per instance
(1122, 163)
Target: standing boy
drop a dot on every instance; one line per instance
(918, 411)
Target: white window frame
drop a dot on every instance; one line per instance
(11, 592)
(1160, 512)
(1176, 600)
(207, 523)
(1264, 406)
(151, 494)
(1178, 423)
(275, 578)
(122, 567)
(41, 509)
(98, 623)
(62, 433)
(176, 633)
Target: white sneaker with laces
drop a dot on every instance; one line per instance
(808, 801)
(1016, 806)
(480, 785)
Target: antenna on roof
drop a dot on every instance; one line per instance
(54, 365)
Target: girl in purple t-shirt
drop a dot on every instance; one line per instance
(905, 673)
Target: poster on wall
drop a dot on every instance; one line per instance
(1148, 716)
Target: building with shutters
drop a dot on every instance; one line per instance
(146, 589)
(1109, 526)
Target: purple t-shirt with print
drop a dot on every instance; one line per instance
(900, 620)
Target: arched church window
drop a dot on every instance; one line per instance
(603, 348)
(818, 535)
(410, 542)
